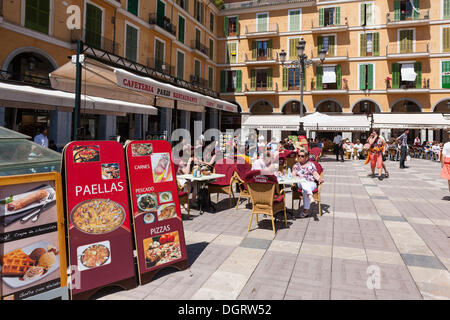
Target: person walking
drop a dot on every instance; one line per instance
(403, 141)
(41, 139)
(338, 150)
(445, 162)
(376, 151)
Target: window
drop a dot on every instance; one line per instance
(197, 68)
(231, 26)
(211, 22)
(131, 50)
(293, 43)
(446, 9)
(133, 6)
(198, 36)
(199, 11)
(327, 43)
(211, 49)
(210, 78)
(294, 20)
(291, 79)
(181, 28)
(328, 77)
(446, 39)
(160, 13)
(262, 22)
(180, 65)
(366, 14)
(93, 27)
(366, 77)
(37, 15)
(183, 4)
(159, 55)
(231, 52)
(329, 16)
(230, 81)
(406, 9)
(445, 73)
(261, 79)
(406, 75)
(406, 38)
(369, 44)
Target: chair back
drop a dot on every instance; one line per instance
(318, 166)
(261, 188)
(242, 169)
(290, 161)
(316, 152)
(227, 169)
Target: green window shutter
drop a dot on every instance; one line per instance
(238, 80)
(269, 49)
(376, 44)
(293, 49)
(180, 65)
(362, 14)
(446, 9)
(254, 44)
(370, 76)
(269, 79)
(395, 76)
(410, 42)
(181, 27)
(362, 45)
(225, 26)
(446, 39)
(37, 15)
(331, 46)
(338, 71)
(237, 26)
(406, 41)
(228, 53)
(319, 73)
(261, 21)
(319, 44)
(211, 49)
(195, 9)
(160, 13)
(133, 6)
(362, 77)
(337, 19)
(233, 48)
(253, 79)
(416, 15)
(93, 32)
(321, 17)
(397, 10)
(304, 79)
(445, 74)
(223, 81)
(368, 14)
(131, 42)
(418, 70)
(285, 79)
(294, 20)
(202, 18)
(197, 67)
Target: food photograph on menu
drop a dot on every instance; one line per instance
(167, 211)
(162, 171)
(146, 202)
(110, 171)
(86, 154)
(98, 216)
(26, 204)
(162, 249)
(165, 196)
(94, 255)
(141, 149)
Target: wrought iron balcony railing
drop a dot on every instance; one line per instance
(163, 22)
(25, 78)
(197, 45)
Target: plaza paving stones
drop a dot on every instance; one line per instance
(376, 239)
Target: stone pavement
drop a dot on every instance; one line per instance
(376, 239)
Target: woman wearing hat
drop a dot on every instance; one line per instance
(445, 161)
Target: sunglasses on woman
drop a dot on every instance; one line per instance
(302, 155)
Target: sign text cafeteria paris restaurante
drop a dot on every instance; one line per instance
(160, 92)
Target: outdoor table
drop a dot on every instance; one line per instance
(201, 184)
(289, 181)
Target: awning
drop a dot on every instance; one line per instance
(408, 73)
(100, 79)
(272, 122)
(411, 121)
(329, 75)
(20, 96)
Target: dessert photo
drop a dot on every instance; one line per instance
(162, 171)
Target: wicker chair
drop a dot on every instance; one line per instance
(298, 195)
(290, 161)
(266, 197)
(225, 184)
(183, 197)
(239, 177)
(316, 153)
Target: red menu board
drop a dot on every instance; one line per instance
(156, 210)
(100, 239)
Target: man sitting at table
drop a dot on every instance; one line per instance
(266, 163)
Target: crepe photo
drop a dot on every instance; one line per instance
(162, 249)
(19, 203)
(162, 171)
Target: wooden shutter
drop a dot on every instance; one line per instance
(319, 44)
(211, 49)
(376, 44)
(222, 81)
(406, 41)
(133, 6)
(362, 77)
(93, 30)
(233, 53)
(370, 76)
(368, 14)
(225, 26)
(304, 79)
(337, 19)
(37, 15)
(269, 79)
(262, 23)
(180, 65)
(160, 12)
(131, 41)
(319, 73)
(238, 80)
(416, 15)
(228, 53)
(338, 71)
(331, 46)
(362, 14)
(195, 9)
(253, 79)
(362, 45)
(418, 70)
(446, 9)
(445, 74)
(269, 49)
(321, 17)
(395, 76)
(446, 39)
(396, 10)
(254, 50)
(285, 83)
(237, 26)
(202, 12)
(181, 27)
(294, 20)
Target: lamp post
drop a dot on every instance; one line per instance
(300, 64)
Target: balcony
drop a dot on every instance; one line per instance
(262, 3)
(201, 48)
(337, 54)
(258, 30)
(34, 79)
(315, 28)
(262, 59)
(95, 41)
(261, 89)
(412, 50)
(161, 66)
(404, 19)
(163, 24)
(196, 80)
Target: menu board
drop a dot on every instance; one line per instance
(156, 210)
(32, 243)
(100, 239)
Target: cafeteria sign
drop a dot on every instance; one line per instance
(158, 228)
(100, 240)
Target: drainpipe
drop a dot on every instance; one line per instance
(114, 30)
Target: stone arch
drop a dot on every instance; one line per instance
(18, 51)
(442, 106)
(407, 100)
(335, 105)
(354, 108)
(288, 105)
(264, 104)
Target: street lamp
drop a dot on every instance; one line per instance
(300, 64)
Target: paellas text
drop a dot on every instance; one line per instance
(98, 188)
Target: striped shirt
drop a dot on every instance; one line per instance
(404, 140)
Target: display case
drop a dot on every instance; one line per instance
(18, 155)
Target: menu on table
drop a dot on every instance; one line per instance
(32, 243)
(100, 239)
(156, 210)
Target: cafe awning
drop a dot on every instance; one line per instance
(427, 120)
(115, 83)
(21, 96)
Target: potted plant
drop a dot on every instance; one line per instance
(388, 82)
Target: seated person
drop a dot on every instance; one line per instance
(359, 150)
(307, 171)
(428, 151)
(436, 151)
(348, 149)
(266, 163)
